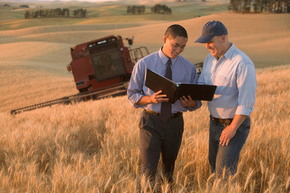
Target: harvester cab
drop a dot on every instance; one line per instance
(104, 62)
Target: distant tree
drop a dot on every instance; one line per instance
(24, 6)
(246, 7)
(66, 12)
(47, 14)
(75, 13)
(128, 9)
(58, 12)
(143, 9)
(135, 9)
(163, 9)
(35, 14)
(41, 13)
(51, 13)
(83, 12)
(27, 14)
(80, 13)
(259, 6)
(138, 9)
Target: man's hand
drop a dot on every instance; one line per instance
(158, 97)
(188, 102)
(227, 134)
(230, 131)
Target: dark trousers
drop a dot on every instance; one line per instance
(159, 138)
(226, 157)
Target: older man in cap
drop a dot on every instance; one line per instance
(234, 74)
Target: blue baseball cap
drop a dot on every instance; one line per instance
(211, 29)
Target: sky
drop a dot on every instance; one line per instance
(78, 0)
(54, 0)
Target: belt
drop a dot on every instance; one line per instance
(219, 120)
(175, 115)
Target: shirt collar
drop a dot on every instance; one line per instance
(164, 58)
(230, 52)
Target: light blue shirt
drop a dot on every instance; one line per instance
(183, 71)
(235, 77)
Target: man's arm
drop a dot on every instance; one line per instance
(134, 91)
(230, 131)
(247, 86)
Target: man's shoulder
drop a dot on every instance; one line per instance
(147, 61)
(184, 61)
(153, 55)
(241, 56)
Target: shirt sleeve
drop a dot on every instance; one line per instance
(134, 91)
(247, 86)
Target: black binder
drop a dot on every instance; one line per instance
(174, 90)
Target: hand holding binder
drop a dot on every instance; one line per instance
(174, 90)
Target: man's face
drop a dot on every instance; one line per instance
(173, 47)
(216, 46)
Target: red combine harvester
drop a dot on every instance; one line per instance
(100, 68)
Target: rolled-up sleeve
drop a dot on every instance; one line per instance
(247, 86)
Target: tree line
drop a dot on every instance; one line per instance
(259, 6)
(163, 9)
(25, 6)
(136, 9)
(58, 12)
(158, 8)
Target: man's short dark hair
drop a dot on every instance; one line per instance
(175, 30)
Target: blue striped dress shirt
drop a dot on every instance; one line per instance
(183, 71)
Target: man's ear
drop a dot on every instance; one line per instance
(164, 39)
(224, 38)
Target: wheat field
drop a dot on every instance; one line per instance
(93, 147)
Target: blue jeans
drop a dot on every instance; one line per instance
(226, 157)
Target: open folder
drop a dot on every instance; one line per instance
(174, 90)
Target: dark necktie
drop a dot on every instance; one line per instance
(166, 106)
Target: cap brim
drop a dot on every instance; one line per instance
(204, 39)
